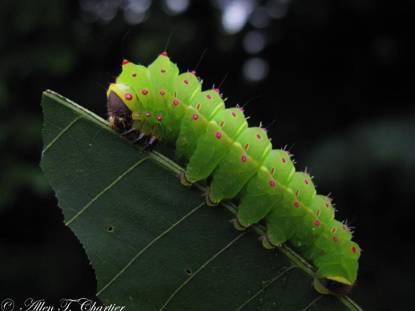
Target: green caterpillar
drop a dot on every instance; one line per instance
(159, 103)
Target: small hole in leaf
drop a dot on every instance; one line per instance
(110, 229)
(189, 271)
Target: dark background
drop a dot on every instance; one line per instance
(336, 76)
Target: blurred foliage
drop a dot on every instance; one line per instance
(337, 76)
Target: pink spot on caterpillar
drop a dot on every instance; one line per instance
(244, 158)
(216, 90)
(241, 109)
(195, 116)
(193, 72)
(296, 204)
(162, 92)
(272, 183)
(273, 171)
(258, 136)
(317, 223)
(233, 114)
(144, 92)
(148, 114)
(125, 61)
(208, 96)
(186, 82)
(318, 212)
(128, 96)
(218, 135)
(222, 123)
(134, 75)
(164, 53)
(176, 102)
(354, 249)
(162, 70)
(334, 238)
(246, 146)
(159, 118)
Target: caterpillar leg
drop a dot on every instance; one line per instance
(128, 132)
(209, 201)
(140, 138)
(150, 143)
(183, 180)
(266, 242)
(237, 225)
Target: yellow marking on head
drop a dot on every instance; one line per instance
(125, 93)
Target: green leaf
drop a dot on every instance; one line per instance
(153, 243)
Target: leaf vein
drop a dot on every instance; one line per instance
(312, 303)
(148, 246)
(96, 197)
(279, 275)
(63, 131)
(206, 263)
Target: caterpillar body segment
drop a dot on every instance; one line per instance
(239, 163)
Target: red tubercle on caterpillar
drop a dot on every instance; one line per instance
(283, 160)
(244, 158)
(208, 96)
(128, 96)
(354, 249)
(272, 183)
(334, 238)
(162, 92)
(195, 117)
(186, 82)
(258, 136)
(317, 223)
(144, 92)
(306, 181)
(296, 204)
(176, 102)
(233, 114)
(159, 118)
(125, 61)
(218, 135)
(164, 53)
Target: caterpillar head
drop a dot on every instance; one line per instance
(120, 100)
(333, 285)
